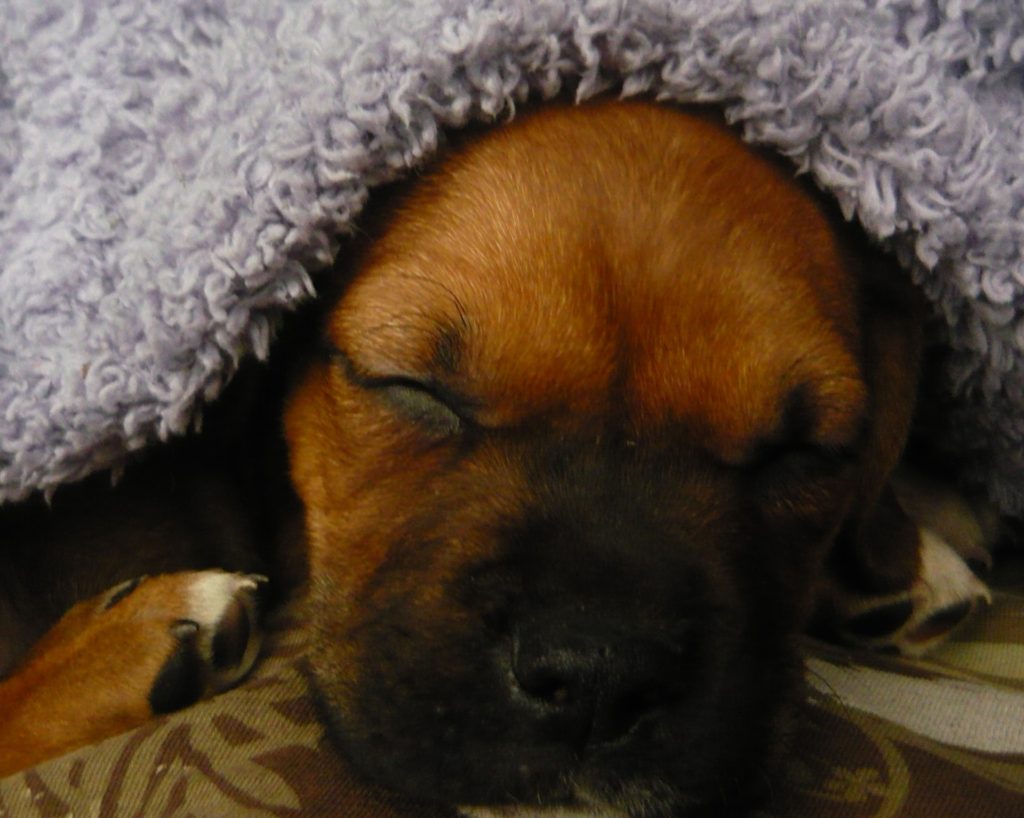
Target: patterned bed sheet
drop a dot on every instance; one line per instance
(878, 737)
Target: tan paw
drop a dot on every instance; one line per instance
(970, 526)
(178, 637)
(944, 594)
(217, 639)
(149, 645)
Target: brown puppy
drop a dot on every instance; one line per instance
(608, 410)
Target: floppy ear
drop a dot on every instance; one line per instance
(877, 549)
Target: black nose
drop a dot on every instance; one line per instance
(589, 682)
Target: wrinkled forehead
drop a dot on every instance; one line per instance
(568, 269)
(518, 319)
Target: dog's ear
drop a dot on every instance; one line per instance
(877, 547)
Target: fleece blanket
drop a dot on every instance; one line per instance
(171, 171)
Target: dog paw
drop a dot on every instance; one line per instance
(944, 594)
(149, 645)
(216, 639)
(171, 639)
(971, 526)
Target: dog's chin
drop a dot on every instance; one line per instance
(438, 720)
(574, 811)
(540, 812)
(650, 800)
(675, 779)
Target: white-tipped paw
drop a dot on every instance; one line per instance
(911, 622)
(225, 609)
(206, 625)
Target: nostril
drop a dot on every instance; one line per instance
(553, 691)
(618, 716)
(590, 688)
(553, 675)
(545, 685)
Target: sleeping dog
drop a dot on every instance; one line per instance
(606, 413)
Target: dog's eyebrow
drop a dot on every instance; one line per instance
(799, 419)
(799, 416)
(447, 346)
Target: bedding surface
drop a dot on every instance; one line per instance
(877, 737)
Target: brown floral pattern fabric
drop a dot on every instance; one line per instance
(884, 737)
(879, 737)
(256, 752)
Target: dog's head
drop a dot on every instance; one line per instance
(588, 419)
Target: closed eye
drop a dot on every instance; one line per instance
(419, 403)
(785, 474)
(804, 461)
(791, 455)
(428, 405)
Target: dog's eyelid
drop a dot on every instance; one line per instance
(422, 405)
(827, 457)
(446, 399)
(437, 391)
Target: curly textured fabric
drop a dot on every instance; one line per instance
(170, 170)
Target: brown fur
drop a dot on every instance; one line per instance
(609, 366)
(675, 310)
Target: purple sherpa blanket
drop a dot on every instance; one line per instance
(171, 169)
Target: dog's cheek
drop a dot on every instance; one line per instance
(305, 430)
(354, 467)
(408, 674)
(321, 473)
(390, 530)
